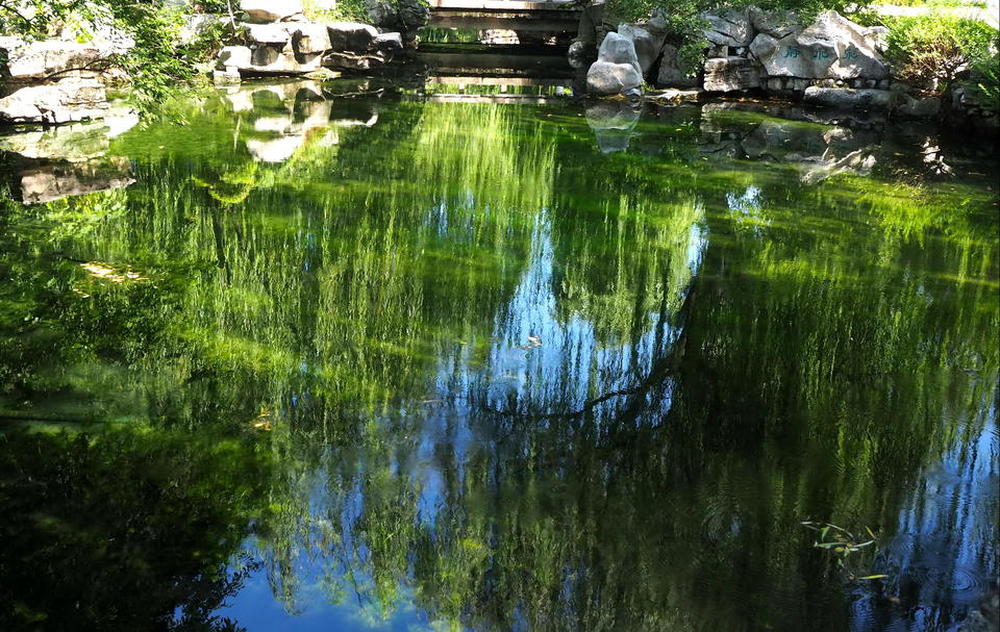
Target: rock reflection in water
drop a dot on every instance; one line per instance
(817, 151)
(613, 123)
(70, 160)
(285, 116)
(46, 183)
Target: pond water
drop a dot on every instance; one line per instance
(286, 361)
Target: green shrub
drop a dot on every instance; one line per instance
(156, 62)
(934, 50)
(986, 82)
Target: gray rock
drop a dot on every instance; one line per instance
(351, 61)
(617, 69)
(278, 59)
(647, 43)
(266, 33)
(797, 85)
(777, 24)
(848, 98)
(44, 59)
(310, 39)
(64, 101)
(731, 74)
(267, 11)
(669, 73)
(233, 57)
(918, 107)
(605, 78)
(830, 47)
(729, 28)
(389, 43)
(352, 37)
(403, 16)
(581, 54)
(617, 49)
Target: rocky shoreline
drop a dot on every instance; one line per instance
(829, 62)
(276, 39)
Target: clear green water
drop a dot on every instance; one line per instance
(380, 364)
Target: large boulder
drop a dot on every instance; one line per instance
(670, 73)
(46, 59)
(617, 69)
(731, 74)
(729, 28)
(311, 39)
(278, 34)
(912, 106)
(234, 57)
(849, 99)
(777, 23)
(605, 78)
(280, 59)
(354, 37)
(389, 43)
(304, 48)
(831, 47)
(65, 101)
(647, 41)
(581, 54)
(267, 11)
(403, 16)
(616, 49)
(352, 61)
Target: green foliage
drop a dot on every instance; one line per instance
(932, 51)
(349, 10)
(122, 530)
(938, 3)
(155, 64)
(986, 81)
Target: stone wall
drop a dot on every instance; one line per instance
(830, 62)
(53, 81)
(276, 39)
(773, 51)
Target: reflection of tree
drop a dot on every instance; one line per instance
(370, 302)
(301, 271)
(808, 382)
(121, 532)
